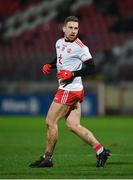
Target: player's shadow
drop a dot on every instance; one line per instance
(119, 163)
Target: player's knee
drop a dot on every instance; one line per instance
(50, 123)
(51, 126)
(72, 126)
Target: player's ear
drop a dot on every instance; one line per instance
(64, 29)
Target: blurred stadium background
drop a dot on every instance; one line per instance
(28, 32)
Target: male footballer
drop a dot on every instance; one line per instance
(71, 54)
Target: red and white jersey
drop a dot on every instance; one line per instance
(70, 56)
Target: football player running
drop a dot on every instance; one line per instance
(71, 54)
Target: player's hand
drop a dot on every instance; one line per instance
(64, 75)
(46, 68)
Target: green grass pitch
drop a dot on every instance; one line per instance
(22, 140)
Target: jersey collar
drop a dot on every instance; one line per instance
(69, 40)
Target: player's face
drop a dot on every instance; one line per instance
(71, 30)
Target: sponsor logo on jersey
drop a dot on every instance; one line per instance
(64, 46)
(69, 50)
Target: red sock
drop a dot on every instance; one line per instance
(98, 148)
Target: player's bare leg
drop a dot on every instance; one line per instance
(56, 111)
(73, 123)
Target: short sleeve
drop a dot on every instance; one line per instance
(85, 54)
(57, 46)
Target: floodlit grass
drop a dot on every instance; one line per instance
(22, 141)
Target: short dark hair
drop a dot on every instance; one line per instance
(71, 18)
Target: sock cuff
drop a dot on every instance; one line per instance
(98, 148)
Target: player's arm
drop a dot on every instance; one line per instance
(48, 67)
(89, 69)
(53, 63)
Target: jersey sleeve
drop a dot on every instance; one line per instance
(56, 46)
(85, 54)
